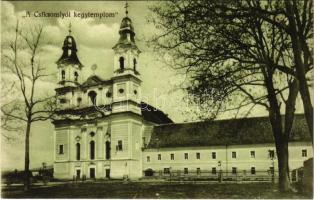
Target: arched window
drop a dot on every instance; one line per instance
(92, 95)
(76, 76)
(78, 151)
(107, 150)
(92, 150)
(63, 74)
(134, 64)
(121, 60)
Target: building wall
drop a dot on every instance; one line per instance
(243, 160)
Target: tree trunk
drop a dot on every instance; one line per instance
(300, 68)
(26, 166)
(283, 166)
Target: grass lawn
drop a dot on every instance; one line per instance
(149, 190)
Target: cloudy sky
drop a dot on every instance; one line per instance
(95, 39)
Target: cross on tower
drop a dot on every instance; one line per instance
(70, 26)
(126, 8)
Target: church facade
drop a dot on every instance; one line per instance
(104, 130)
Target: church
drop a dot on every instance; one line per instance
(104, 130)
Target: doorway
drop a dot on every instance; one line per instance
(92, 173)
(78, 174)
(107, 173)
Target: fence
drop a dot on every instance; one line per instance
(220, 176)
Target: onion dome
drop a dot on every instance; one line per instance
(127, 35)
(69, 55)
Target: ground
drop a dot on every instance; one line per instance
(150, 190)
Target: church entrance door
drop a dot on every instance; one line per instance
(107, 173)
(92, 173)
(78, 174)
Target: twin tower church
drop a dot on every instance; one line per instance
(104, 130)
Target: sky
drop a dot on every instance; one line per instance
(95, 39)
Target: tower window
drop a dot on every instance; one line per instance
(78, 151)
(61, 150)
(92, 95)
(79, 100)
(119, 146)
(121, 60)
(134, 64)
(92, 150)
(76, 76)
(69, 52)
(63, 74)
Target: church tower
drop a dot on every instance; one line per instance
(69, 66)
(126, 78)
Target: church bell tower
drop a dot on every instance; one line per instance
(69, 66)
(127, 81)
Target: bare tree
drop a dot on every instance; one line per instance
(234, 56)
(21, 60)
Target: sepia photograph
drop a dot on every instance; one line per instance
(161, 99)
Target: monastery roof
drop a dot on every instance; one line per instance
(255, 130)
(154, 115)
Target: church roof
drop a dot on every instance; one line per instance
(255, 130)
(94, 80)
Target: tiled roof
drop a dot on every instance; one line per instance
(222, 132)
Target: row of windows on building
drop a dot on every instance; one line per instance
(214, 170)
(271, 154)
(119, 147)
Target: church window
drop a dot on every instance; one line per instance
(121, 61)
(78, 151)
(63, 74)
(92, 134)
(172, 156)
(198, 156)
(159, 156)
(76, 76)
(61, 150)
(186, 170)
(186, 156)
(92, 95)
(69, 52)
(134, 64)
(107, 150)
(119, 146)
(92, 150)
(108, 94)
(148, 158)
